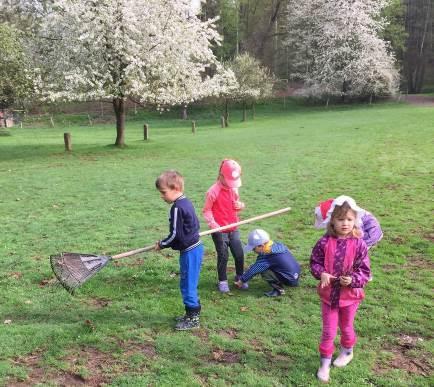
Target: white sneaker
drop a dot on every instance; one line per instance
(343, 359)
(323, 374)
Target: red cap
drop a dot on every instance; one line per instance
(231, 172)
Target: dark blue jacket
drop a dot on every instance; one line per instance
(280, 261)
(183, 226)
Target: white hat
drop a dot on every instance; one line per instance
(339, 201)
(256, 238)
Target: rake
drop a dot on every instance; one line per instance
(74, 269)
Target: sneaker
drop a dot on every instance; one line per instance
(343, 359)
(323, 374)
(180, 318)
(245, 284)
(274, 293)
(223, 287)
(188, 323)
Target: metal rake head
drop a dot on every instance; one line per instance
(74, 269)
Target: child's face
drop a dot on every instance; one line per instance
(259, 249)
(222, 180)
(344, 224)
(169, 195)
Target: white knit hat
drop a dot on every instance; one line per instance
(339, 201)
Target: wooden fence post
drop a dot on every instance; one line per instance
(68, 142)
(193, 127)
(146, 132)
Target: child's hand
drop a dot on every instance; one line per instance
(157, 246)
(238, 284)
(326, 279)
(345, 280)
(238, 205)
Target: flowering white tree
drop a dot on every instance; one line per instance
(253, 81)
(16, 76)
(337, 49)
(155, 51)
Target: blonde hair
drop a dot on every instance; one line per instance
(342, 211)
(170, 179)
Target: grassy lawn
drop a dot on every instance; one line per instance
(118, 328)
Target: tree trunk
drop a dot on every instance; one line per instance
(244, 111)
(184, 114)
(119, 108)
(226, 112)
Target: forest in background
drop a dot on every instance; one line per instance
(260, 28)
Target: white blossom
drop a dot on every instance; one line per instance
(157, 51)
(336, 47)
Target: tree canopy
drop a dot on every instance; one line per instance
(16, 79)
(157, 52)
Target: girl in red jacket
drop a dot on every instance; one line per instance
(221, 208)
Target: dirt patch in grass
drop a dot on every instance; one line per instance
(48, 282)
(229, 333)
(398, 241)
(99, 367)
(133, 347)
(389, 267)
(392, 187)
(405, 355)
(85, 367)
(429, 236)
(202, 334)
(256, 344)
(418, 263)
(15, 275)
(98, 303)
(228, 357)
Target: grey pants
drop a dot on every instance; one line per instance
(223, 242)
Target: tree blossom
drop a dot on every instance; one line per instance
(337, 49)
(156, 51)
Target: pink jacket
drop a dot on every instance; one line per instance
(220, 206)
(355, 263)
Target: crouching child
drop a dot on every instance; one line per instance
(275, 263)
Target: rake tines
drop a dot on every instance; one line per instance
(74, 269)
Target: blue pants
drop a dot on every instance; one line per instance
(189, 264)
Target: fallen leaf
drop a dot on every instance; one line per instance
(8, 322)
(244, 308)
(216, 355)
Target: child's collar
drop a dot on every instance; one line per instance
(267, 247)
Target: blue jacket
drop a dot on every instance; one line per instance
(183, 226)
(279, 260)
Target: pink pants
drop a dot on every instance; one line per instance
(331, 318)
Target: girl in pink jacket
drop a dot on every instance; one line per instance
(221, 208)
(340, 261)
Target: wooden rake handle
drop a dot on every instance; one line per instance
(208, 232)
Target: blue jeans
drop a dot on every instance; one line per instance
(189, 264)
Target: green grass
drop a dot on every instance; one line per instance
(118, 328)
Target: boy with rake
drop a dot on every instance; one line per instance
(184, 237)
